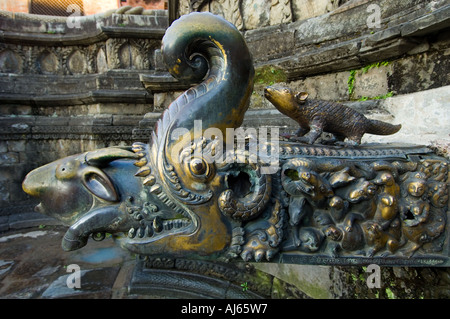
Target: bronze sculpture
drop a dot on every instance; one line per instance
(178, 197)
(316, 116)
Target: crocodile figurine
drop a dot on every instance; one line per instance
(317, 116)
(176, 197)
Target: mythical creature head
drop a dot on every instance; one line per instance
(145, 195)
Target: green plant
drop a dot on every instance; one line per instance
(352, 78)
(389, 293)
(373, 65)
(244, 286)
(351, 82)
(269, 75)
(379, 97)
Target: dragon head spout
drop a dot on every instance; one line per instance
(179, 194)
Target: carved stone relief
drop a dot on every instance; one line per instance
(10, 62)
(254, 14)
(115, 53)
(77, 63)
(101, 62)
(48, 62)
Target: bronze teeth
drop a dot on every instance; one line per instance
(143, 171)
(141, 162)
(149, 181)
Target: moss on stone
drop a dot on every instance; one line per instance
(269, 75)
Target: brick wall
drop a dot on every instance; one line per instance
(89, 6)
(14, 5)
(147, 4)
(92, 7)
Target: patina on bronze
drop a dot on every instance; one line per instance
(384, 204)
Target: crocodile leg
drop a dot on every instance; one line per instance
(316, 129)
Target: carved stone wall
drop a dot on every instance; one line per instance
(255, 14)
(67, 87)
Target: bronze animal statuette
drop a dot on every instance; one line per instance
(193, 193)
(317, 116)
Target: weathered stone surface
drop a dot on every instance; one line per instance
(435, 20)
(331, 87)
(314, 281)
(10, 62)
(274, 42)
(304, 9)
(280, 12)
(313, 46)
(424, 116)
(256, 13)
(420, 72)
(372, 83)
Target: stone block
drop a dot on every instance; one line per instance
(372, 83)
(330, 87)
(280, 12)
(51, 121)
(3, 146)
(385, 50)
(305, 9)
(275, 42)
(81, 121)
(434, 21)
(126, 120)
(9, 158)
(314, 281)
(102, 119)
(16, 146)
(424, 116)
(420, 72)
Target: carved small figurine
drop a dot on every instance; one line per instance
(414, 209)
(316, 117)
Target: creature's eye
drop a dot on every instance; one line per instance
(199, 168)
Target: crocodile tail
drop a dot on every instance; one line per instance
(382, 128)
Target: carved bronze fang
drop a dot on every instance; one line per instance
(143, 171)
